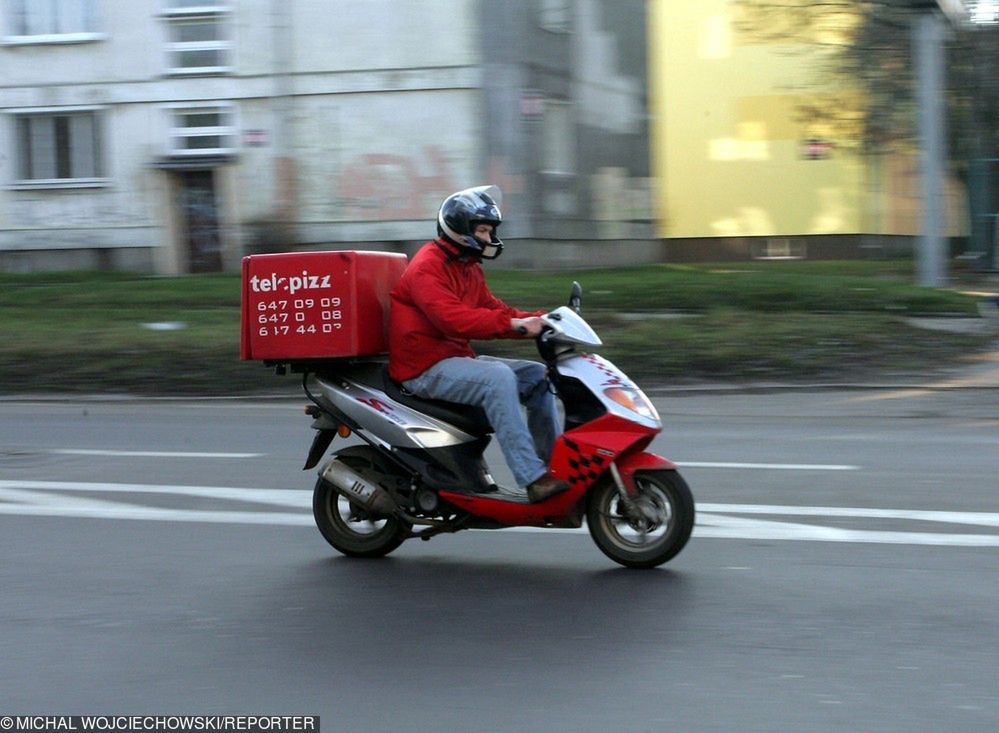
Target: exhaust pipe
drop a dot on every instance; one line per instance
(359, 489)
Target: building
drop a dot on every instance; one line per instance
(741, 174)
(178, 135)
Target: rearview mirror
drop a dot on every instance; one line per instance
(576, 296)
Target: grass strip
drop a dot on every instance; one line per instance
(118, 333)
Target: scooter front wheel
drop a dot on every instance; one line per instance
(650, 529)
(352, 530)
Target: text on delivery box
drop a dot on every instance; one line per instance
(291, 285)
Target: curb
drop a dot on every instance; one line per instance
(693, 389)
(822, 387)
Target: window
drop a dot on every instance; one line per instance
(61, 147)
(198, 37)
(184, 4)
(555, 15)
(203, 129)
(558, 139)
(56, 21)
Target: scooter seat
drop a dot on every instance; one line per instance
(469, 418)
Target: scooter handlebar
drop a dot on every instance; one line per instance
(545, 330)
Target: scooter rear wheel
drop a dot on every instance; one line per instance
(348, 527)
(653, 531)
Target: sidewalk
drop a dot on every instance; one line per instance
(982, 371)
(979, 372)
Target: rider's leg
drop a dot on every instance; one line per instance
(491, 385)
(537, 395)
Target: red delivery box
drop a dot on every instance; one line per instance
(317, 305)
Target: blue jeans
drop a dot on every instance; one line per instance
(499, 387)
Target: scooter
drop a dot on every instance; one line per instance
(420, 471)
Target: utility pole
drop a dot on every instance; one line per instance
(282, 104)
(929, 32)
(928, 38)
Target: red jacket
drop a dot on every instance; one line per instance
(438, 305)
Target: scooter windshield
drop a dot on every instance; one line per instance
(569, 327)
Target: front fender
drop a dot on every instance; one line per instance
(630, 463)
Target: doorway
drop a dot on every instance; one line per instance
(199, 218)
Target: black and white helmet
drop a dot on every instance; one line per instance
(461, 212)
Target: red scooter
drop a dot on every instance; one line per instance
(420, 471)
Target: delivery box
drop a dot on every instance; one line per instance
(316, 305)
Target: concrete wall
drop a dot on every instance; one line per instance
(611, 78)
(596, 67)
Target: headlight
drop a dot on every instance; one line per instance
(632, 399)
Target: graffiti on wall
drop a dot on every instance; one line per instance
(392, 187)
(387, 186)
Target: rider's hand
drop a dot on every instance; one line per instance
(528, 326)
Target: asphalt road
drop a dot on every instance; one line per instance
(160, 558)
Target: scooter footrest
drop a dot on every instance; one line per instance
(502, 493)
(507, 494)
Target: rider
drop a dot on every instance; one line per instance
(440, 303)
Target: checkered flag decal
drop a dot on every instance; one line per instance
(586, 467)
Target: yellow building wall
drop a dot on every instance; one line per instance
(728, 149)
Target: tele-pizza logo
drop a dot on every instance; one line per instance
(274, 283)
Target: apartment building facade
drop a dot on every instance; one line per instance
(175, 136)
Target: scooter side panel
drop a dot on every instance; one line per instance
(583, 455)
(386, 419)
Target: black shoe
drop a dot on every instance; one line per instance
(546, 487)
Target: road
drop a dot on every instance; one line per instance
(160, 558)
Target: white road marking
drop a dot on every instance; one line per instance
(111, 510)
(984, 519)
(714, 520)
(294, 498)
(36, 498)
(770, 466)
(149, 453)
(683, 464)
(722, 527)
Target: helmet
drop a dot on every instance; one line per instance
(462, 211)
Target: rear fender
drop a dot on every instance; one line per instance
(326, 426)
(320, 443)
